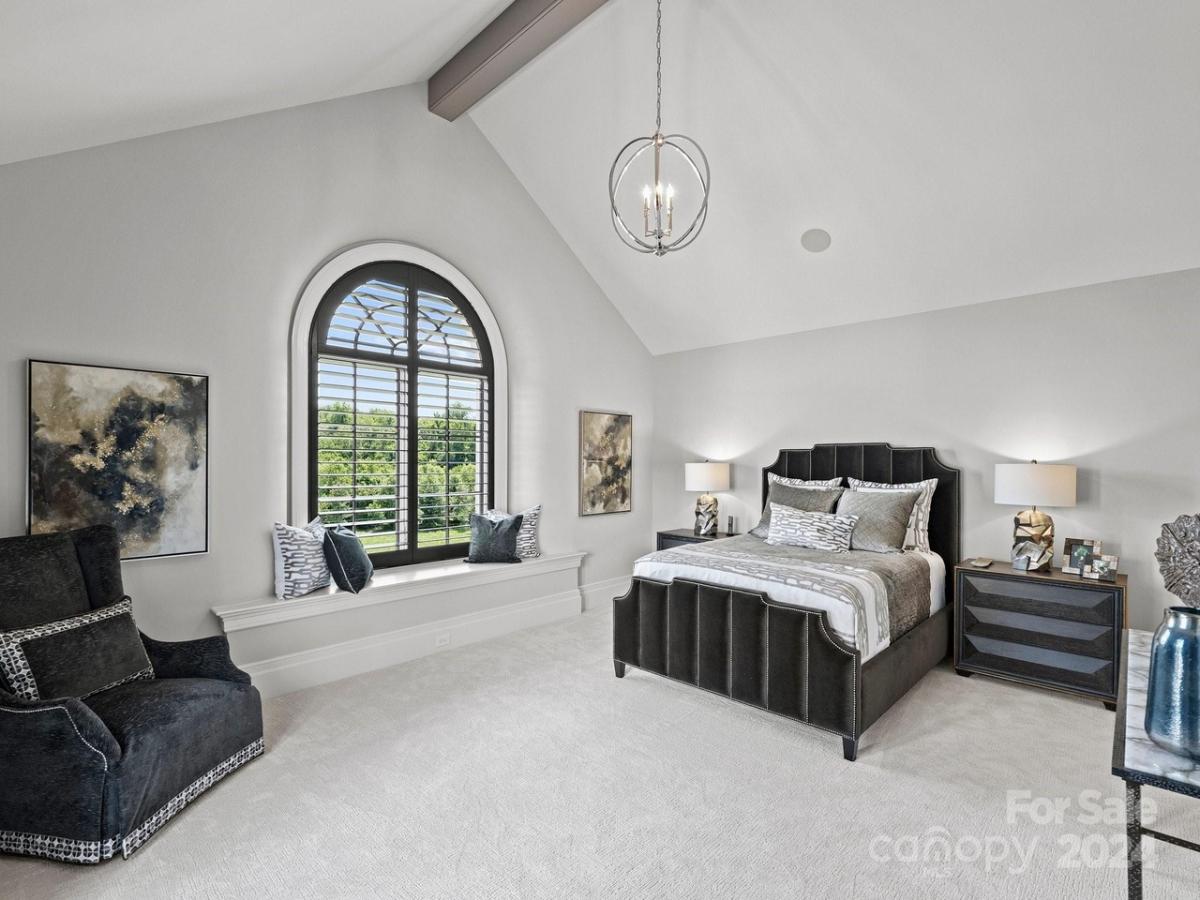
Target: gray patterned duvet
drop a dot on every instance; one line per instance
(870, 598)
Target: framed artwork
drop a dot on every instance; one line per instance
(122, 447)
(1078, 554)
(605, 463)
(1103, 567)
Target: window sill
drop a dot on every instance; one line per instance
(390, 585)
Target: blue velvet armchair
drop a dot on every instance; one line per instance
(82, 779)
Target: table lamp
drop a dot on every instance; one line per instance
(706, 477)
(1033, 485)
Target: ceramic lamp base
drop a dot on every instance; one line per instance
(1033, 541)
(706, 515)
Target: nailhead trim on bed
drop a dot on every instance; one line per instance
(176, 804)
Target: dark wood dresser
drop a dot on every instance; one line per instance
(1043, 628)
(678, 536)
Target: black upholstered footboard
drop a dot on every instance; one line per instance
(784, 659)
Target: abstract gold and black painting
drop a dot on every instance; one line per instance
(123, 447)
(605, 463)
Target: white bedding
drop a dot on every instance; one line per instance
(793, 582)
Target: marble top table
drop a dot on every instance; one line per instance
(1138, 761)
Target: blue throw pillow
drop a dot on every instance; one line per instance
(348, 561)
(494, 540)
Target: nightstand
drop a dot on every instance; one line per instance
(679, 536)
(1042, 628)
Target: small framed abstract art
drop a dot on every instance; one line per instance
(122, 447)
(1103, 568)
(1078, 554)
(605, 463)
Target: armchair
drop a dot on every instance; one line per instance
(84, 778)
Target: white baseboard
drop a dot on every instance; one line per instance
(306, 668)
(599, 594)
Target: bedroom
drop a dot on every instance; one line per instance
(1008, 272)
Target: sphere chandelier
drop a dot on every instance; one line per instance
(657, 232)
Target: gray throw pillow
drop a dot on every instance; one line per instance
(806, 499)
(882, 518)
(494, 540)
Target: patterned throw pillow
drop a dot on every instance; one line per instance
(527, 537)
(917, 535)
(75, 657)
(801, 483)
(300, 566)
(816, 531)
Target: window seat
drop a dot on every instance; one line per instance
(403, 613)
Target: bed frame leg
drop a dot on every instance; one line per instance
(850, 748)
(619, 667)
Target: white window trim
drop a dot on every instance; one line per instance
(298, 359)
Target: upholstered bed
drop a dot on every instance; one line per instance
(828, 639)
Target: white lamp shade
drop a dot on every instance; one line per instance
(706, 476)
(1035, 484)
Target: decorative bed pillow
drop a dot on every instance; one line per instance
(808, 499)
(347, 559)
(814, 530)
(527, 537)
(75, 657)
(300, 566)
(494, 540)
(801, 483)
(882, 518)
(917, 536)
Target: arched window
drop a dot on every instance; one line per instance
(401, 432)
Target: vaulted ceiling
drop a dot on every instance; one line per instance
(958, 151)
(77, 73)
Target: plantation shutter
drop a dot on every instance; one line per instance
(401, 417)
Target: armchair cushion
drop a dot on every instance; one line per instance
(75, 657)
(177, 737)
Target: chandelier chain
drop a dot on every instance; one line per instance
(656, 232)
(658, 47)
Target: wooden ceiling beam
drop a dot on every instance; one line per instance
(522, 31)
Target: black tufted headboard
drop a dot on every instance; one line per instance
(891, 465)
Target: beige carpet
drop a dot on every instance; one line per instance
(523, 768)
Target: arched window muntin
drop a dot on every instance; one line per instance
(431, 377)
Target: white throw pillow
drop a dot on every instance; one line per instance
(801, 483)
(817, 531)
(917, 536)
(300, 566)
(527, 537)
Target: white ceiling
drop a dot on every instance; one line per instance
(958, 151)
(77, 73)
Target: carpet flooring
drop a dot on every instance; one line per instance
(522, 768)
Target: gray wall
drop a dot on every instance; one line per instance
(1102, 376)
(187, 251)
